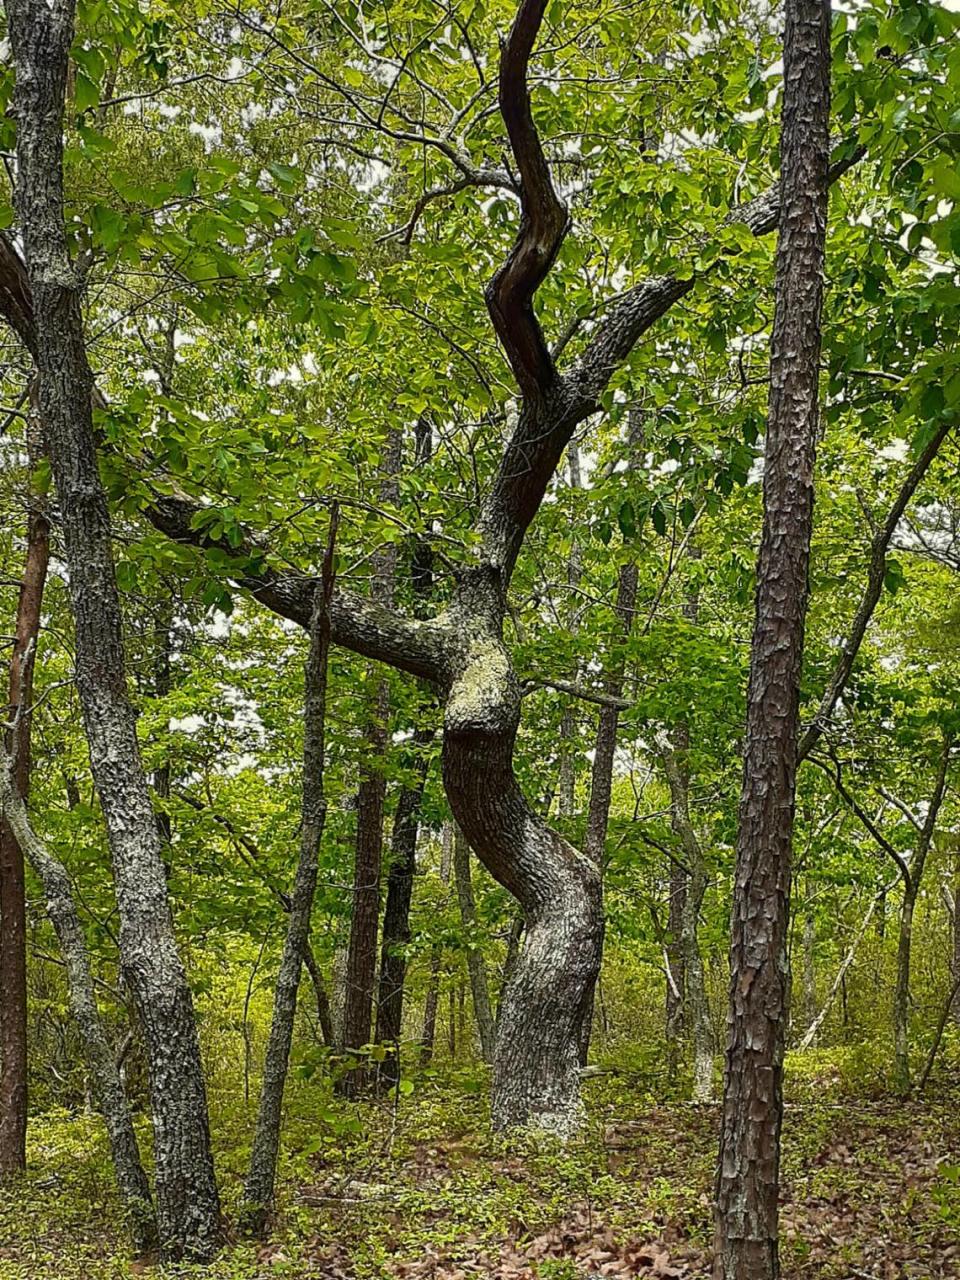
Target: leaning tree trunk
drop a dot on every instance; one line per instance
(13, 915)
(476, 966)
(187, 1199)
(748, 1174)
(537, 1067)
(99, 1060)
(261, 1178)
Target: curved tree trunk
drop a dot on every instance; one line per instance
(13, 916)
(102, 1070)
(187, 1199)
(537, 1066)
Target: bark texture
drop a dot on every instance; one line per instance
(13, 913)
(102, 1070)
(749, 1161)
(261, 1178)
(188, 1204)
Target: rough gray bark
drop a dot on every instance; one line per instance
(748, 1173)
(13, 913)
(187, 1200)
(696, 880)
(102, 1071)
(261, 1177)
(476, 965)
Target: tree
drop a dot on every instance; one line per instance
(187, 1199)
(261, 1178)
(748, 1167)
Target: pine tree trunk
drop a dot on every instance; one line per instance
(103, 1074)
(187, 1199)
(13, 918)
(476, 965)
(261, 1178)
(749, 1164)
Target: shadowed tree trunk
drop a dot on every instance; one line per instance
(261, 1178)
(102, 1069)
(13, 919)
(187, 1200)
(748, 1174)
(365, 917)
(396, 915)
(476, 965)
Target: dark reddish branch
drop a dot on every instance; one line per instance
(543, 217)
(871, 595)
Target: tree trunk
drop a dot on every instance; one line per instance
(103, 1073)
(13, 917)
(324, 1012)
(428, 1034)
(161, 687)
(809, 961)
(396, 916)
(695, 881)
(901, 995)
(365, 918)
(537, 1067)
(748, 1174)
(261, 1178)
(476, 965)
(188, 1204)
(955, 965)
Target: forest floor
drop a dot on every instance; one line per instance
(416, 1189)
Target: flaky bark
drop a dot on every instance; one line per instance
(476, 965)
(261, 1177)
(13, 920)
(749, 1161)
(102, 1071)
(188, 1204)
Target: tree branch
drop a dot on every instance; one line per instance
(871, 595)
(543, 218)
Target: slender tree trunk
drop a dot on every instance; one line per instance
(320, 994)
(261, 1178)
(567, 780)
(13, 918)
(161, 686)
(187, 1199)
(748, 1175)
(809, 961)
(901, 995)
(365, 918)
(476, 965)
(432, 1000)
(103, 1073)
(338, 985)
(814, 1028)
(396, 916)
(955, 965)
(696, 880)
